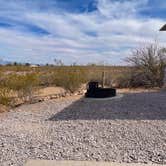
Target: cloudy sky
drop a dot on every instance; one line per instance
(82, 31)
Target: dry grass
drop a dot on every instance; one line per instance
(22, 82)
(14, 85)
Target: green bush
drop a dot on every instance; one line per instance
(70, 80)
(23, 85)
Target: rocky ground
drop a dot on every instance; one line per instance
(130, 129)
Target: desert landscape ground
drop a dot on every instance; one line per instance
(82, 82)
(130, 129)
(66, 126)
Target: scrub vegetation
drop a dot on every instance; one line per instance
(148, 68)
(22, 81)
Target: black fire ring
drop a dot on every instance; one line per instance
(94, 91)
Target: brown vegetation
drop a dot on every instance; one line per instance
(148, 68)
(22, 82)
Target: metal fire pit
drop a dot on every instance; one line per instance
(94, 91)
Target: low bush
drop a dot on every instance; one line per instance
(123, 81)
(70, 80)
(46, 78)
(5, 98)
(23, 85)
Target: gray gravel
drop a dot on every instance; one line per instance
(130, 129)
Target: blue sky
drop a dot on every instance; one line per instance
(81, 31)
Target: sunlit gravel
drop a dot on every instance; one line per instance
(130, 129)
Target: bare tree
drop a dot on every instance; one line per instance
(58, 62)
(149, 63)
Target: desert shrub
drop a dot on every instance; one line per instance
(4, 93)
(5, 98)
(70, 80)
(123, 81)
(94, 76)
(148, 68)
(23, 85)
(47, 78)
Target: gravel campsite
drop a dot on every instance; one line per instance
(129, 129)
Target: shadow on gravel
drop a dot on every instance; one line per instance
(144, 106)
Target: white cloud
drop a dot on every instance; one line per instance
(107, 34)
(116, 9)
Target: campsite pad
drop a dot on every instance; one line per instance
(80, 163)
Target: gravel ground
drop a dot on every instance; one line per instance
(130, 129)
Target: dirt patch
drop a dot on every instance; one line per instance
(130, 130)
(50, 90)
(3, 108)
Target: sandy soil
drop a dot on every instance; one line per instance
(50, 90)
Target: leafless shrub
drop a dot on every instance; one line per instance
(148, 67)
